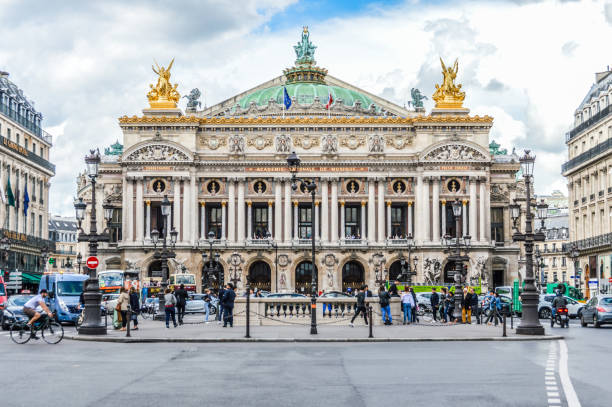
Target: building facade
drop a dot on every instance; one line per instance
(382, 172)
(588, 173)
(63, 231)
(25, 176)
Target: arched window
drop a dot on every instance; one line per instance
(260, 276)
(353, 276)
(303, 277)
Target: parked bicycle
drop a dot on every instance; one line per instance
(51, 331)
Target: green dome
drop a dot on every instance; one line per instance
(304, 93)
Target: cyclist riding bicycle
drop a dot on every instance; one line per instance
(558, 302)
(29, 308)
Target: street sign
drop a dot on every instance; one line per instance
(610, 280)
(92, 262)
(51, 260)
(15, 282)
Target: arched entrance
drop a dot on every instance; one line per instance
(212, 280)
(260, 276)
(395, 270)
(303, 277)
(353, 276)
(155, 269)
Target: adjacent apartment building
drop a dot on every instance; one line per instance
(63, 231)
(588, 172)
(25, 175)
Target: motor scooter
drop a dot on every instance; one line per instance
(561, 317)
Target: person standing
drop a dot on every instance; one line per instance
(415, 317)
(220, 293)
(135, 306)
(407, 305)
(474, 305)
(393, 290)
(466, 306)
(361, 306)
(384, 299)
(434, 300)
(181, 300)
(169, 309)
(207, 300)
(122, 306)
(449, 302)
(444, 305)
(229, 296)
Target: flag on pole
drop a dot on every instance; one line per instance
(9, 193)
(26, 201)
(286, 101)
(329, 101)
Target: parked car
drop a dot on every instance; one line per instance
(335, 294)
(424, 301)
(195, 304)
(13, 310)
(598, 311)
(545, 306)
(286, 295)
(109, 302)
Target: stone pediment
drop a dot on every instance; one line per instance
(454, 151)
(156, 152)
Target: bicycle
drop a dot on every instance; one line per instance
(148, 312)
(51, 331)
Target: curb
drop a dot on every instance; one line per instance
(302, 340)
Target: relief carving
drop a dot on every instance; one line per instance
(376, 143)
(157, 152)
(330, 144)
(236, 144)
(306, 142)
(454, 152)
(283, 143)
(259, 142)
(352, 142)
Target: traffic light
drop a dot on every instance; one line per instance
(7, 276)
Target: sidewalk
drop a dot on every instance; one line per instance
(195, 331)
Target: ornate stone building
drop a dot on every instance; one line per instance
(383, 172)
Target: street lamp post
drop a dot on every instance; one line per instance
(44, 255)
(211, 268)
(378, 260)
(274, 245)
(5, 245)
(540, 267)
(573, 254)
(530, 324)
(454, 249)
(92, 324)
(79, 260)
(407, 272)
(293, 161)
(165, 253)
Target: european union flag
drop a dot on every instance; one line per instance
(26, 201)
(286, 99)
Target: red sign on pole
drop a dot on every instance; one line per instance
(92, 262)
(610, 280)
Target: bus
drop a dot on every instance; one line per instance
(566, 289)
(189, 280)
(111, 281)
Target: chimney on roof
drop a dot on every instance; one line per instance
(4, 74)
(600, 76)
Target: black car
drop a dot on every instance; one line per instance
(13, 310)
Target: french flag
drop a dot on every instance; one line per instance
(329, 101)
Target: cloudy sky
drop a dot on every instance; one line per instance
(526, 63)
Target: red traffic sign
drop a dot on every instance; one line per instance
(610, 280)
(92, 262)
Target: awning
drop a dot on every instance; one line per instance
(31, 277)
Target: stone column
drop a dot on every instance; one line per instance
(342, 228)
(193, 209)
(295, 220)
(419, 213)
(483, 213)
(139, 209)
(363, 218)
(334, 211)
(124, 208)
(426, 210)
(410, 209)
(240, 211)
(186, 211)
(381, 211)
(436, 210)
(464, 219)
(203, 220)
(177, 206)
(278, 211)
(389, 219)
(443, 217)
(270, 217)
(223, 218)
(473, 222)
(148, 221)
(324, 210)
(371, 210)
(231, 210)
(249, 219)
(287, 220)
(130, 210)
(316, 219)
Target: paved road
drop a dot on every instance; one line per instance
(299, 374)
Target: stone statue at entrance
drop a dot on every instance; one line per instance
(432, 271)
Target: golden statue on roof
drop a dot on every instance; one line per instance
(448, 95)
(163, 95)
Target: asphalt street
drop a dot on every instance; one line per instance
(310, 374)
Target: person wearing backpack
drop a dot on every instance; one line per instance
(384, 299)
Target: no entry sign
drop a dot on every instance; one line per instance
(92, 262)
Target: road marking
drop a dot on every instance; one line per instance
(566, 382)
(550, 378)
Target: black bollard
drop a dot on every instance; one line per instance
(504, 334)
(370, 314)
(248, 309)
(129, 319)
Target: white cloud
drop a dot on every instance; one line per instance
(87, 63)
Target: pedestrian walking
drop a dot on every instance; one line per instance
(384, 299)
(415, 317)
(169, 308)
(361, 306)
(368, 293)
(122, 306)
(229, 296)
(434, 300)
(444, 305)
(494, 305)
(207, 300)
(181, 301)
(466, 306)
(449, 303)
(220, 293)
(135, 306)
(407, 306)
(474, 306)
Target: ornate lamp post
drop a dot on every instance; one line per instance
(379, 272)
(5, 245)
(79, 258)
(573, 254)
(407, 272)
(294, 164)
(274, 245)
(211, 269)
(92, 324)
(165, 253)
(44, 256)
(540, 266)
(68, 265)
(530, 324)
(454, 248)
(235, 269)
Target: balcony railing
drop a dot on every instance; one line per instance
(594, 242)
(592, 197)
(13, 115)
(354, 242)
(588, 123)
(587, 155)
(29, 155)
